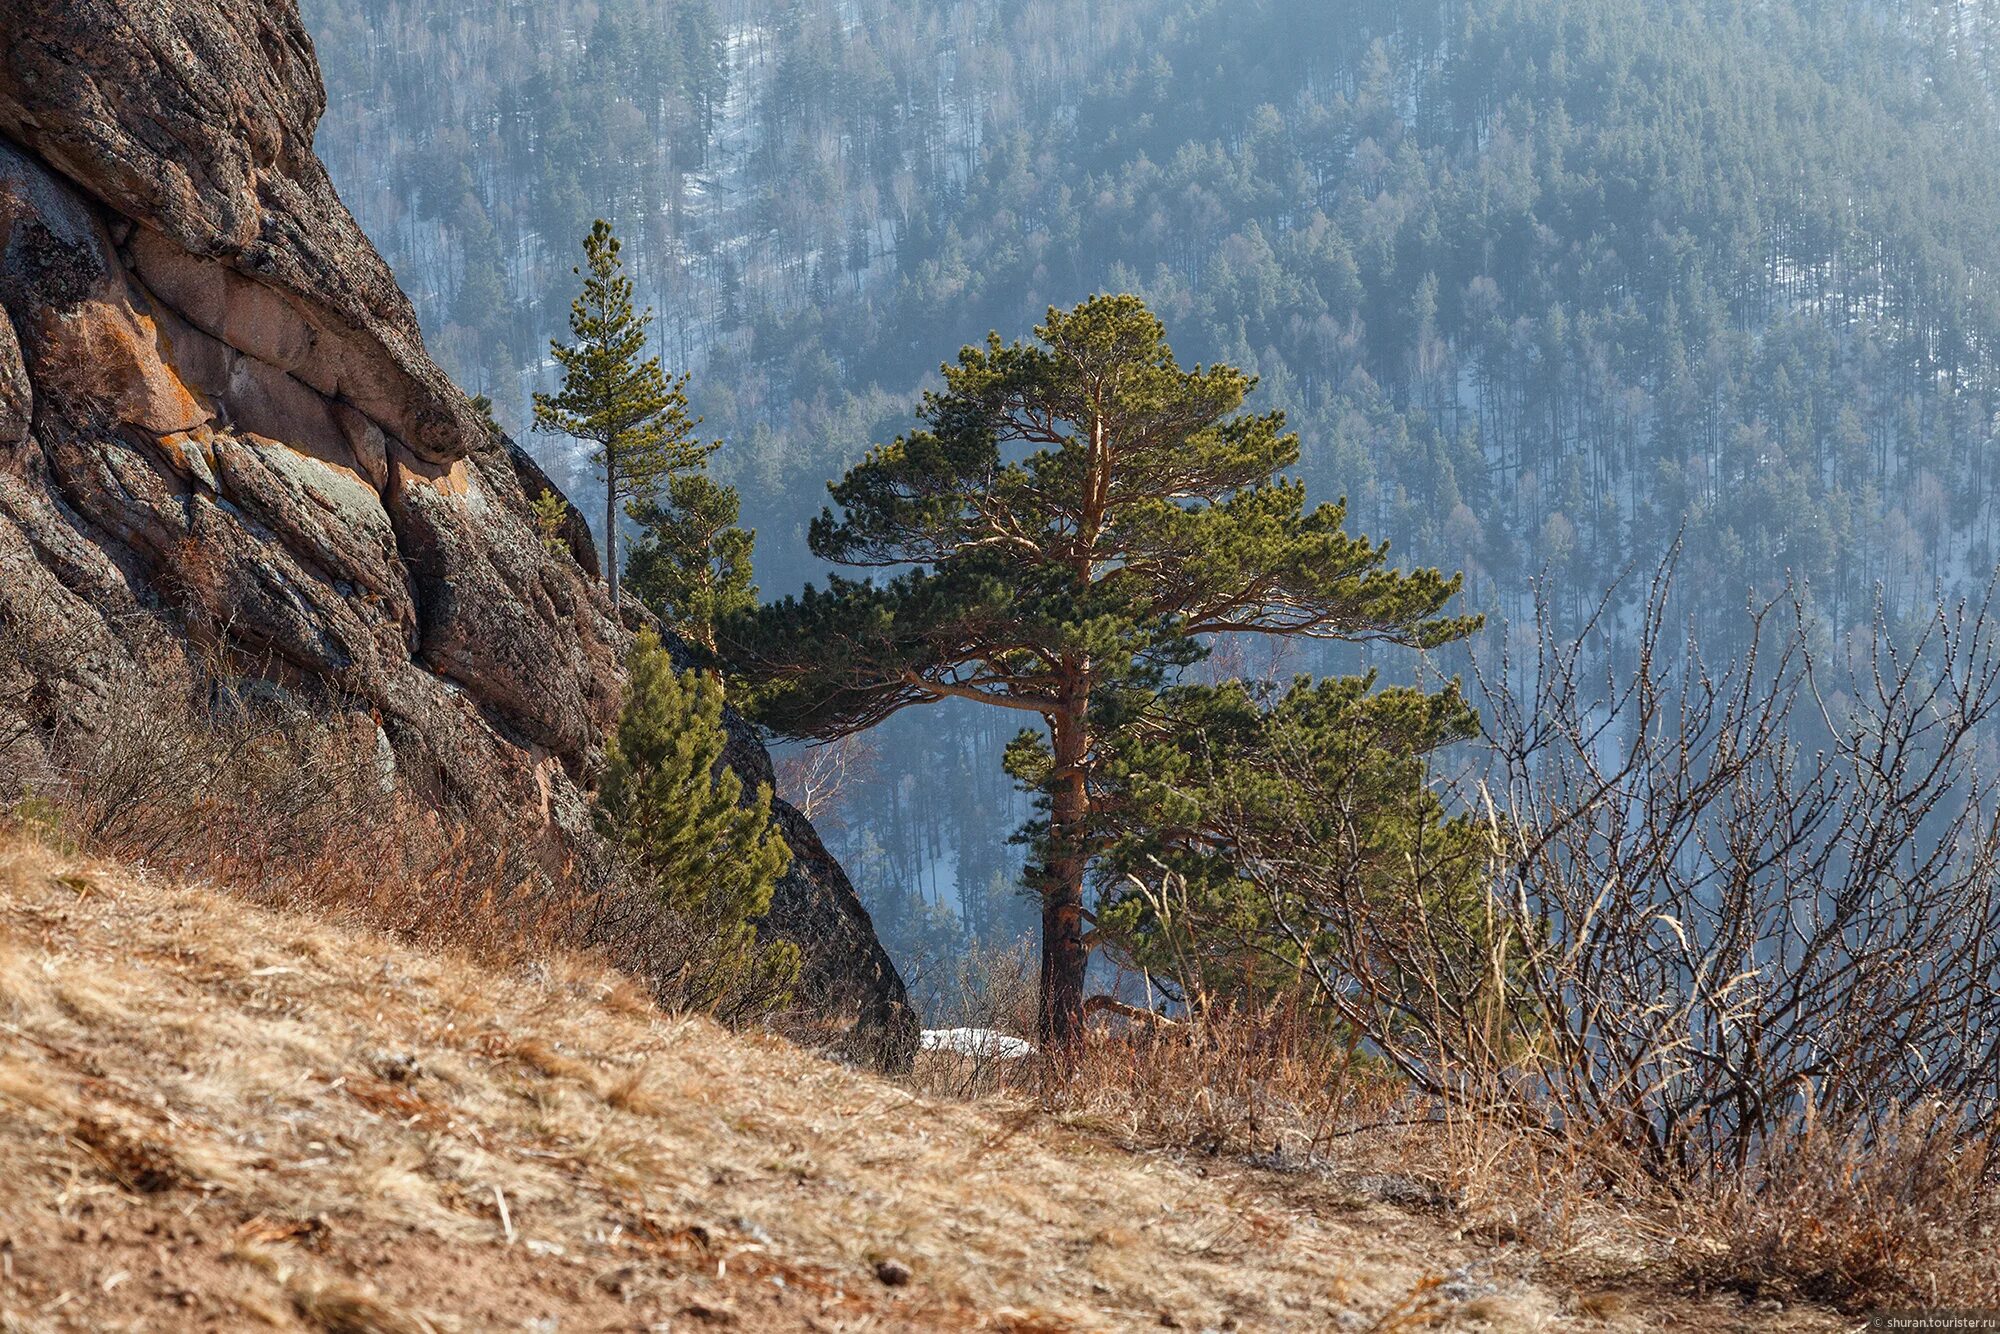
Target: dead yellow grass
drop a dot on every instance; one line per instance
(217, 1116)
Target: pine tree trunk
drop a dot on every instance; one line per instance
(1063, 963)
(1064, 958)
(611, 525)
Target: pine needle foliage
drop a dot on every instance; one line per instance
(677, 814)
(549, 512)
(1220, 794)
(692, 567)
(615, 397)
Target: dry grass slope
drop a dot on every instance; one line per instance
(214, 1116)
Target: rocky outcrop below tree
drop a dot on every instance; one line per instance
(847, 977)
(221, 442)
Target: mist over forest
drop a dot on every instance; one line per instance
(1543, 285)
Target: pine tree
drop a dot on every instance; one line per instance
(483, 405)
(692, 568)
(637, 418)
(549, 512)
(1084, 517)
(678, 815)
(1218, 784)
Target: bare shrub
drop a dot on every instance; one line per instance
(989, 984)
(169, 783)
(17, 688)
(1759, 898)
(1740, 937)
(989, 987)
(1902, 1209)
(689, 964)
(1273, 1087)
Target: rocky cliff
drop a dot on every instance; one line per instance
(220, 436)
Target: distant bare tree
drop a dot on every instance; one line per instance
(818, 778)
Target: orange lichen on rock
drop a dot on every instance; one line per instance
(109, 355)
(407, 470)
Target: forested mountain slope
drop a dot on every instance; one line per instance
(1543, 283)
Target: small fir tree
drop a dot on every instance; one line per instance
(483, 406)
(677, 814)
(549, 512)
(692, 567)
(611, 396)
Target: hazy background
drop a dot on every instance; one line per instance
(1542, 283)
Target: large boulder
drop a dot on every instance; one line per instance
(848, 978)
(221, 439)
(194, 119)
(168, 469)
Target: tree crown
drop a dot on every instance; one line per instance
(611, 395)
(1078, 506)
(693, 567)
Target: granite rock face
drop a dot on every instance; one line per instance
(220, 435)
(194, 119)
(188, 455)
